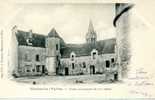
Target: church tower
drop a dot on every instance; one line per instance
(91, 35)
(52, 51)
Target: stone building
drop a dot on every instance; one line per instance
(122, 24)
(50, 55)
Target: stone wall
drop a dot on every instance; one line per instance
(80, 68)
(123, 38)
(13, 55)
(51, 65)
(31, 60)
(53, 54)
(51, 43)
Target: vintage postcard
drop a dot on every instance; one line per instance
(75, 49)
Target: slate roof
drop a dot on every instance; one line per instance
(53, 33)
(102, 46)
(37, 39)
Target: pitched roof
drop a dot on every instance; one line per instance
(102, 46)
(91, 27)
(37, 39)
(53, 33)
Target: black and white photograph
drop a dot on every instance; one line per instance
(95, 49)
(70, 43)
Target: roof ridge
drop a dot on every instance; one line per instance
(32, 32)
(86, 43)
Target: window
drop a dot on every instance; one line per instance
(37, 58)
(73, 65)
(107, 64)
(33, 70)
(29, 41)
(112, 60)
(59, 63)
(28, 70)
(84, 65)
(38, 68)
(27, 56)
(72, 57)
(56, 46)
(57, 57)
(94, 55)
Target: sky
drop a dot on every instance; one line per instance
(70, 20)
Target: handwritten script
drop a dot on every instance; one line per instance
(140, 80)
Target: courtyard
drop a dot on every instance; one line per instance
(80, 79)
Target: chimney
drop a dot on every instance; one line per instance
(30, 34)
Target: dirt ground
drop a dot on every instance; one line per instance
(80, 79)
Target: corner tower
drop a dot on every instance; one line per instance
(52, 51)
(91, 35)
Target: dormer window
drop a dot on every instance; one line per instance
(29, 41)
(94, 54)
(72, 56)
(29, 38)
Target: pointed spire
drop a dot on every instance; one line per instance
(91, 35)
(53, 30)
(53, 33)
(90, 28)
